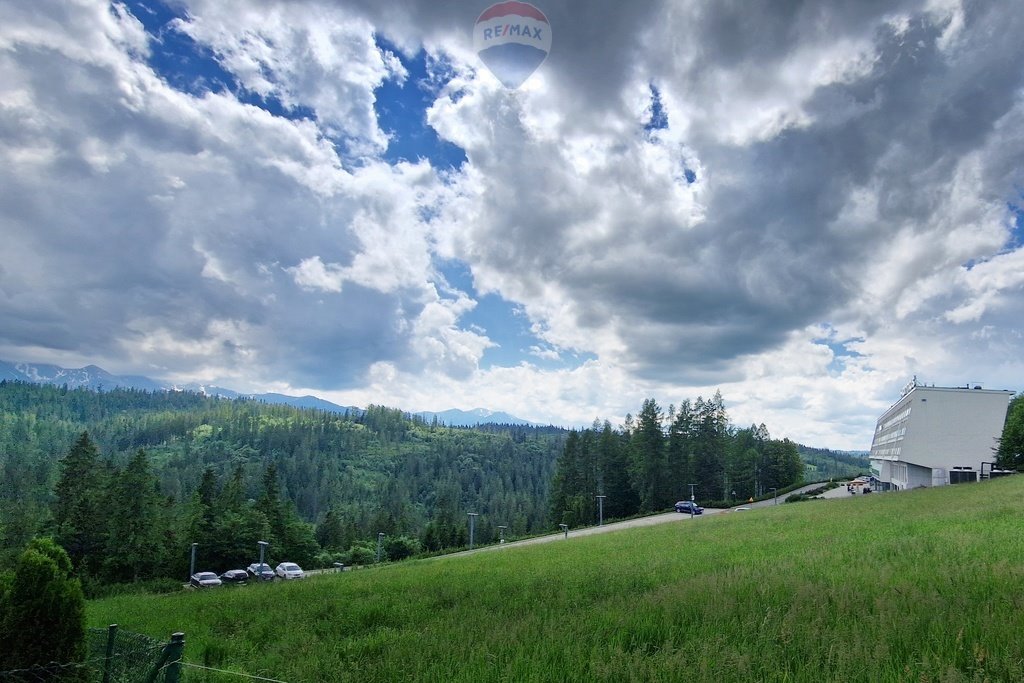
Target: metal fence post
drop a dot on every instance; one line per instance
(175, 651)
(170, 660)
(111, 633)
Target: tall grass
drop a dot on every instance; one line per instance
(918, 586)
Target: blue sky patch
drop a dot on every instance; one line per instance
(658, 119)
(1017, 229)
(507, 325)
(191, 67)
(402, 112)
(840, 350)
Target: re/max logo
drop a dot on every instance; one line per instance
(512, 30)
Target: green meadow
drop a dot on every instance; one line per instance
(917, 586)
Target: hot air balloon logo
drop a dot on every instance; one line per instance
(512, 39)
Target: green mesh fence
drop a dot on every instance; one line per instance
(112, 656)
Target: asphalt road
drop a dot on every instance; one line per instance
(664, 518)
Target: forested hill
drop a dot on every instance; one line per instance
(379, 471)
(824, 463)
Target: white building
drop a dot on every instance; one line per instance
(935, 436)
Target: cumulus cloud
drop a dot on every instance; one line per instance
(826, 176)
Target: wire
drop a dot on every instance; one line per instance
(233, 673)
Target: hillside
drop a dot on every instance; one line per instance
(376, 470)
(917, 586)
(824, 463)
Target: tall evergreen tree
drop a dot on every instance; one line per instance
(1010, 453)
(621, 498)
(680, 445)
(79, 512)
(134, 548)
(649, 464)
(709, 446)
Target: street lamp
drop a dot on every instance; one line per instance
(380, 543)
(472, 526)
(600, 510)
(775, 494)
(501, 533)
(263, 546)
(192, 563)
(565, 529)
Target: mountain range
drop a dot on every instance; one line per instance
(97, 379)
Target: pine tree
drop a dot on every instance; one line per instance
(133, 543)
(649, 464)
(621, 498)
(1010, 453)
(78, 510)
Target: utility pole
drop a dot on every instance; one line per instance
(693, 499)
(380, 544)
(600, 510)
(472, 525)
(192, 562)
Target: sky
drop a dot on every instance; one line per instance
(801, 205)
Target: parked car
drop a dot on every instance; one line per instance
(689, 507)
(289, 570)
(235, 576)
(261, 571)
(204, 580)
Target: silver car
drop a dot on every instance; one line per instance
(204, 580)
(289, 570)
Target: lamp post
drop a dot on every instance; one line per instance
(565, 529)
(472, 527)
(600, 510)
(192, 562)
(501, 533)
(263, 547)
(775, 494)
(380, 544)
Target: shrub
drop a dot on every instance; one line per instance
(361, 554)
(42, 611)
(401, 547)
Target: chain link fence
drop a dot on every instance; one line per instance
(112, 656)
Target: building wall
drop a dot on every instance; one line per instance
(932, 430)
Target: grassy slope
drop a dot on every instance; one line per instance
(918, 586)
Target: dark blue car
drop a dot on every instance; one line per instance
(689, 507)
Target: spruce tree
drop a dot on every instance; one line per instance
(79, 512)
(134, 549)
(649, 465)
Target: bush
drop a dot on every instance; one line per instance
(42, 611)
(326, 559)
(361, 554)
(401, 547)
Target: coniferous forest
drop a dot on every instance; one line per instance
(661, 457)
(126, 480)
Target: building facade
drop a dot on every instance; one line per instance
(935, 436)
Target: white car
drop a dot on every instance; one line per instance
(289, 570)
